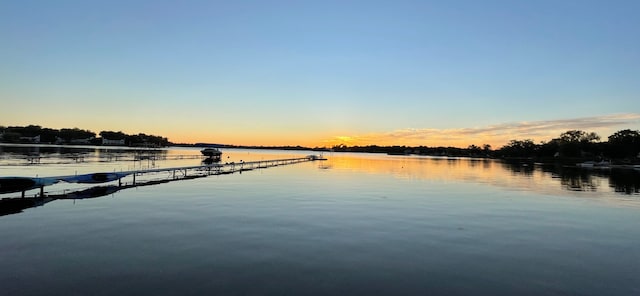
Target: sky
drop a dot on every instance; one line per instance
(322, 73)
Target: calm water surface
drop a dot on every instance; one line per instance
(355, 224)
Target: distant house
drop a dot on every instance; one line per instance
(106, 141)
(35, 139)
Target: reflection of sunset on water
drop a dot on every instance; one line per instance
(516, 177)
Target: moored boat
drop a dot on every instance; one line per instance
(17, 184)
(212, 154)
(93, 178)
(592, 164)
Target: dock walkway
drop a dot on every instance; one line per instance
(219, 169)
(134, 178)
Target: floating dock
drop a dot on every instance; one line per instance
(134, 178)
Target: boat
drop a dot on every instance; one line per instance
(213, 154)
(315, 157)
(17, 184)
(597, 165)
(93, 178)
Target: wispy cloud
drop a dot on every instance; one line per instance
(496, 135)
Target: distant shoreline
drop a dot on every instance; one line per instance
(458, 152)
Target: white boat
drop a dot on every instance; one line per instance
(212, 154)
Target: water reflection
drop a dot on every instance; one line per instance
(579, 180)
(166, 159)
(624, 182)
(519, 168)
(17, 154)
(15, 205)
(518, 175)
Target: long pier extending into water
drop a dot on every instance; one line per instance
(218, 169)
(133, 178)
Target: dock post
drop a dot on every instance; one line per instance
(41, 191)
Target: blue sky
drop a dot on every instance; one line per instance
(314, 72)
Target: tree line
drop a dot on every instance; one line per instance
(38, 134)
(623, 144)
(573, 144)
(570, 145)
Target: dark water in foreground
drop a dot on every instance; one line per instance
(356, 224)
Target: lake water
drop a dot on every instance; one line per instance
(356, 224)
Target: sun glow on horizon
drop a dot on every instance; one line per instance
(494, 135)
